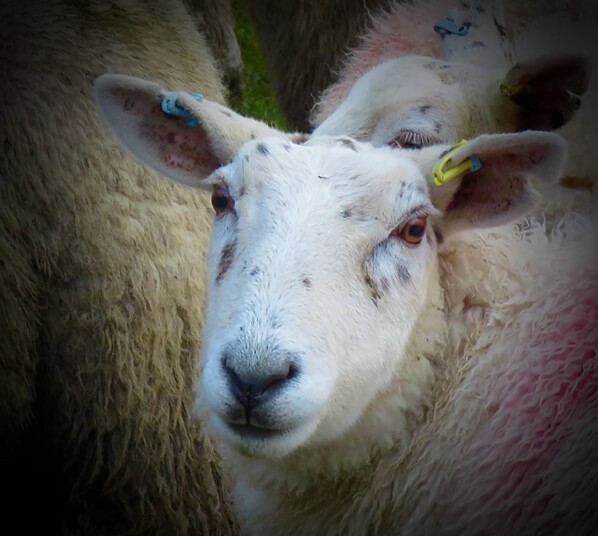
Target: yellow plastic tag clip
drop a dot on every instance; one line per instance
(509, 90)
(441, 176)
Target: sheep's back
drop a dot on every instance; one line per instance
(104, 261)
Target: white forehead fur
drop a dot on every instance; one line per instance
(394, 88)
(427, 95)
(292, 224)
(355, 171)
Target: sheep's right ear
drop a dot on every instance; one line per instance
(547, 90)
(186, 142)
(484, 182)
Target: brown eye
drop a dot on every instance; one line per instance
(221, 200)
(414, 230)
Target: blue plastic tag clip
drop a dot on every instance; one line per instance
(169, 106)
(450, 27)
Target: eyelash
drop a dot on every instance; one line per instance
(409, 139)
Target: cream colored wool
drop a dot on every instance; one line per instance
(102, 266)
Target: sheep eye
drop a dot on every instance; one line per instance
(409, 145)
(413, 231)
(409, 139)
(221, 200)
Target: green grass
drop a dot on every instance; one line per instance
(258, 100)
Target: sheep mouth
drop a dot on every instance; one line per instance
(255, 432)
(271, 440)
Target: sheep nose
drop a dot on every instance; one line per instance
(251, 389)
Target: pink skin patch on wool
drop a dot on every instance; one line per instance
(561, 378)
(535, 408)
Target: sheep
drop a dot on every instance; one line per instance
(459, 91)
(403, 65)
(439, 461)
(358, 364)
(305, 44)
(102, 263)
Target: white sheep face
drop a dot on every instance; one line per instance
(408, 101)
(310, 279)
(420, 101)
(323, 254)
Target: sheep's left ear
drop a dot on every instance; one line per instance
(499, 191)
(183, 136)
(547, 90)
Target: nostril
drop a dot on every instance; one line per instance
(239, 387)
(293, 371)
(251, 387)
(260, 387)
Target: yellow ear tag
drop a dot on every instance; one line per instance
(441, 176)
(509, 90)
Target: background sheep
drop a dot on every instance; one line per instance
(102, 263)
(325, 31)
(364, 326)
(454, 89)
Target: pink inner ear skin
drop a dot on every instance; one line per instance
(184, 148)
(141, 106)
(487, 193)
(498, 187)
(177, 145)
(161, 138)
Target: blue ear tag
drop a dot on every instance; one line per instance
(169, 106)
(450, 27)
(475, 163)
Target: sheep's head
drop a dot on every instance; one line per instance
(417, 91)
(323, 254)
(416, 101)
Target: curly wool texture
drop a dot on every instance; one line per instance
(511, 446)
(102, 264)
